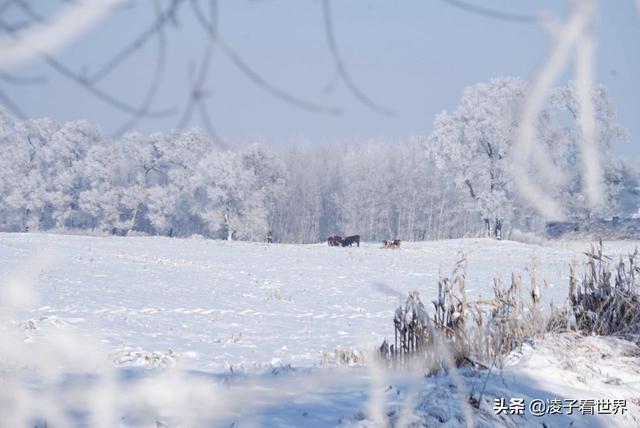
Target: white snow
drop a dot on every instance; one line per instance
(236, 312)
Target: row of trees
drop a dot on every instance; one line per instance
(71, 177)
(450, 184)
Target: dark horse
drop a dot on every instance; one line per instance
(334, 241)
(349, 240)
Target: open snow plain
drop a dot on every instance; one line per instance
(223, 308)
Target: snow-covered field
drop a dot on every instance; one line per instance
(240, 314)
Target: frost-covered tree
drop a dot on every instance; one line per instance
(565, 149)
(364, 199)
(70, 176)
(298, 215)
(64, 159)
(23, 173)
(269, 176)
(473, 145)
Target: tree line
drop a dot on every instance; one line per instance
(455, 182)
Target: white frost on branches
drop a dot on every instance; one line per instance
(480, 147)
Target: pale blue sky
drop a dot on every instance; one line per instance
(413, 56)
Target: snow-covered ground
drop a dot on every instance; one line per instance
(239, 314)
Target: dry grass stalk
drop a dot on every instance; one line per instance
(606, 301)
(499, 325)
(603, 302)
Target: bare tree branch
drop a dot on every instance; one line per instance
(208, 124)
(21, 80)
(82, 82)
(155, 81)
(29, 11)
(342, 71)
(255, 76)
(157, 25)
(5, 5)
(198, 93)
(492, 13)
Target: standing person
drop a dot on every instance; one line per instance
(269, 238)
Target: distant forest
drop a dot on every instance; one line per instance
(456, 182)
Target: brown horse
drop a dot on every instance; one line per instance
(334, 241)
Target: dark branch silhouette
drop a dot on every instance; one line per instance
(159, 69)
(198, 93)
(21, 80)
(88, 81)
(339, 63)
(138, 43)
(81, 81)
(252, 74)
(197, 96)
(492, 13)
